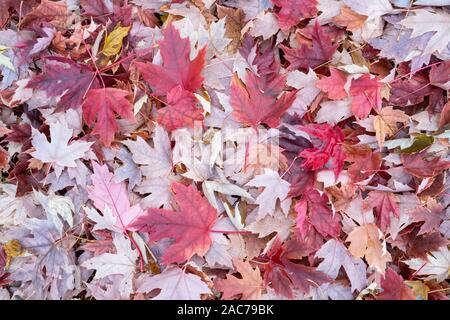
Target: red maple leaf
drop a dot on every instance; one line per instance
(385, 203)
(331, 138)
(177, 68)
(181, 110)
(281, 272)
(420, 245)
(394, 288)
(99, 108)
(313, 210)
(410, 90)
(306, 57)
(62, 76)
(366, 95)
(257, 102)
(189, 227)
(293, 11)
(416, 165)
(334, 84)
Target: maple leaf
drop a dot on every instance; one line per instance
(249, 285)
(439, 77)
(281, 271)
(111, 196)
(335, 255)
(99, 108)
(175, 284)
(275, 189)
(190, 227)
(365, 161)
(394, 287)
(419, 246)
(366, 94)
(411, 90)
(437, 264)
(306, 57)
(156, 161)
(293, 11)
(121, 263)
(181, 110)
(235, 21)
(54, 12)
(416, 165)
(365, 242)
(257, 102)
(330, 149)
(334, 84)
(385, 123)
(431, 215)
(423, 21)
(350, 19)
(95, 8)
(58, 151)
(313, 209)
(385, 204)
(177, 68)
(55, 257)
(63, 77)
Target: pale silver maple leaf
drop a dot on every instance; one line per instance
(121, 263)
(59, 151)
(437, 266)
(156, 161)
(425, 20)
(175, 284)
(335, 255)
(275, 188)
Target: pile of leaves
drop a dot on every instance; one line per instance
(224, 149)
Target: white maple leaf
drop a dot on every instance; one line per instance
(156, 161)
(269, 224)
(437, 266)
(335, 256)
(105, 221)
(175, 284)
(423, 20)
(275, 188)
(308, 92)
(160, 192)
(58, 151)
(121, 263)
(58, 209)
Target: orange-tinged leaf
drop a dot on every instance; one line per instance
(250, 284)
(365, 242)
(385, 123)
(350, 19)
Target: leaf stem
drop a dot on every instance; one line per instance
(231, 232)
